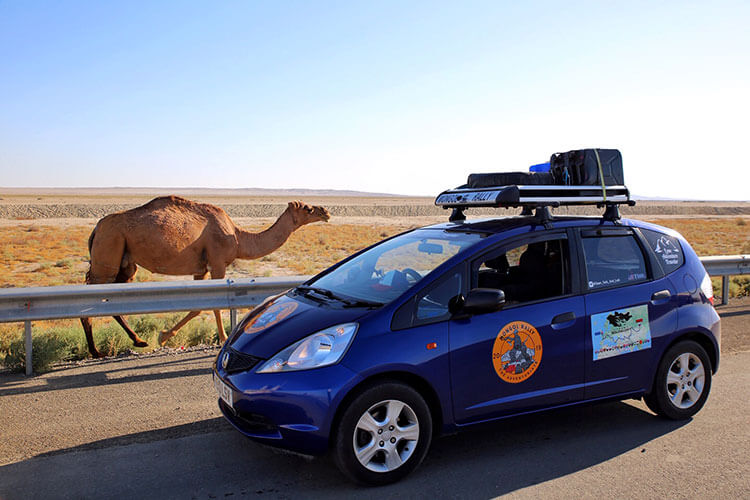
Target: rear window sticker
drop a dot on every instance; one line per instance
(609, 282)
(620, 332)
(668, 250)
(517, 352)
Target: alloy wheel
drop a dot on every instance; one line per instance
(386, 436)
(685, 380)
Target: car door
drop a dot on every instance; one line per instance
(629, 305)
(528, 355)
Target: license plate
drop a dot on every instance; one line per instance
(224, 391)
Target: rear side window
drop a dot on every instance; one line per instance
(667, 249)
(613, 261)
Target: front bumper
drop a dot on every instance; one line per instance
(292, 410)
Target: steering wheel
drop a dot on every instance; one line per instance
(411, 273)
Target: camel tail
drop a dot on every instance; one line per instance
(91, 243)
(91, 239)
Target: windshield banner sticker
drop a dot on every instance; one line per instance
(270, 316)
(517, 352)
(620, 332)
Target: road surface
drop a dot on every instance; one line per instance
(150, 428)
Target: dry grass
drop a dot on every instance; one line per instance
(34, 255)
(51, 255)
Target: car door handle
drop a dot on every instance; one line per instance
(660, 296)
(563, 320)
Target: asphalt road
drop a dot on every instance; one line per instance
(149, 428)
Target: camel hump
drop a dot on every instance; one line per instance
(162, 201)
(178, 204)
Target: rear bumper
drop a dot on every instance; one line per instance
(292, 410)
(716, 331)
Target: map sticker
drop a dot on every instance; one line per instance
(517, 352)
(620, 332)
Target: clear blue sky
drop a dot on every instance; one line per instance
(387, 96)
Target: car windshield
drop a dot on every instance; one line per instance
(387, 270)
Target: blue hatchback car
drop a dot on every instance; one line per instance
(460, 323)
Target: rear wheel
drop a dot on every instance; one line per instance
(682, 383)
(384, 434)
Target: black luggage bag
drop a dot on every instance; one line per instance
(477, 181)
(581, 168)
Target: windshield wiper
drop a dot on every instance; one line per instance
(331, 295)
(305, 289)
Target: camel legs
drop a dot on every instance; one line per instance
(88, 330)
(220, 326)
(124, 275)
(165, 335)
(137, 341)
(218, 271)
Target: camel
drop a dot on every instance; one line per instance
(172, 235)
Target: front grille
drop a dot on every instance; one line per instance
(239, 361)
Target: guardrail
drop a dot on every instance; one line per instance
(75, 301)
(726, 266)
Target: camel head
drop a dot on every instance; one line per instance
(302, 213)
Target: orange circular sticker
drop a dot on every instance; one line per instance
(517, 352)
(270, 316)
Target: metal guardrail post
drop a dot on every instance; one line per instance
(232, 319)
(27, 345)
(726, 266)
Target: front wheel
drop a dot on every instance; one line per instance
(383, 434)
(682, 383)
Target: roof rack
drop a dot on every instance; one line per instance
(534, 197)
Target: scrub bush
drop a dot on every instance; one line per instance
(739, 287)
(46, 350)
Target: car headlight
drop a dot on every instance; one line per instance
(323, 348)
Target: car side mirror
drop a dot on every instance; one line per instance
(478, 301)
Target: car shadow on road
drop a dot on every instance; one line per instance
(731, 314)
(210, 460)
(211, 425)
(513, 454)
(17, 384)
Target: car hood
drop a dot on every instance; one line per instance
(280, 322)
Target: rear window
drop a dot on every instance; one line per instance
(667, 249)
(613, 261)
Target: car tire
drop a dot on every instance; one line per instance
(383, 434)
(682, 382)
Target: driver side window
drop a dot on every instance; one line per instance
(431, 304)
(526, 272)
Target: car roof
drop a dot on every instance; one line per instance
(501, 224)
